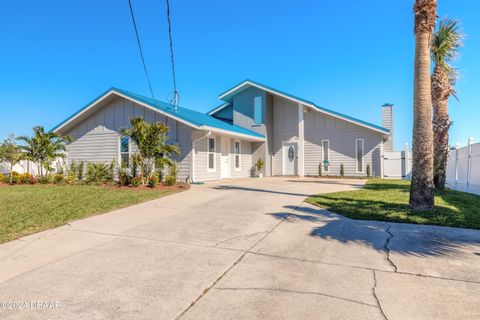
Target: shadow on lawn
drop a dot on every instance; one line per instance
(406, 239)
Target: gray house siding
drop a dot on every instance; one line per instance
(201, 160)
(285, 129)
(245, 159)
(341, 136)
(96, 139)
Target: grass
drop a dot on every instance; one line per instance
(26, 209)
(387, 200)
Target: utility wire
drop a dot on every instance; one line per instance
(140, 49)
(175, 92)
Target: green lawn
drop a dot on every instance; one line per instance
(387, 200)
(25, 209)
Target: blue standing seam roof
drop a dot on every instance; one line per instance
(341, 115)
(188, 115)
(220, 107)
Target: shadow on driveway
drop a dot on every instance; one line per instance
(406, 239)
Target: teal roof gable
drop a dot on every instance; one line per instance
(228, 95)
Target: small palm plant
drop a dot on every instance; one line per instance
(151, 140)
(44, 147)
(446, 43)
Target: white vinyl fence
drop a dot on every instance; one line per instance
(397, 164)
(26, 166)
(463, 168)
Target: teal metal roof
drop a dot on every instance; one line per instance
(228, 98)
(218, 108)
(195, 118)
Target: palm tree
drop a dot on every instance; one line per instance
(10, 153)
(151, 141)
(44, 147)
(446, 43)
(422, 189)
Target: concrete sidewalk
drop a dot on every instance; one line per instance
(241, 249)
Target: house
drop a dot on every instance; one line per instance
(293, 136)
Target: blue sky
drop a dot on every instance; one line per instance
(351, 56)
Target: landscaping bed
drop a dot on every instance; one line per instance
(387, 200)
(26, 209)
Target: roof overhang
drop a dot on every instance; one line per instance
(111, 94)
(218, 109)
(227, 96)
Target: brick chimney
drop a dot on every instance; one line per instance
(387, 122)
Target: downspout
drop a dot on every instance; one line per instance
(194, 151)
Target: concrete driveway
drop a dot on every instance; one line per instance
(241, 249)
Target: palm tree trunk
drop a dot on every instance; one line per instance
(441, 124)
(422, 189)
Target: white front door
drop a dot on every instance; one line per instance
(225, 168)
(289, 159)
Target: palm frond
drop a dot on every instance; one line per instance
(447, 41)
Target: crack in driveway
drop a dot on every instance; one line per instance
(387, 248)
(375, 295)
(242, 236)
(297, 292)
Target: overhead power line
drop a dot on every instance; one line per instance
(175, 92)
(140, 48)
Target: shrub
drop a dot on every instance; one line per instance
(152, 182)
(342, 170)
(15, 177)
(171, 178)
(97, 173)
(71, 177)
(135, 165)
(81, 170)
(3, 179)
(320, 165)
(32, 180)
(44, 180)
(73, 168)
(24, 178)
(259, 164)
(124, 178)
(136, 182)
(58, 178)
(368, 171)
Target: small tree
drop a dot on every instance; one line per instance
(368, 171)
(10, 153)
(342, 170)
(44, 147)
(151, 140)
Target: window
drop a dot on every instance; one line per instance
(236, 147)
(326, 155)
(124, 151)
(359, 154)
(257, 110)
(211, 154)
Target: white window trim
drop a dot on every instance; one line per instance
(239, 155)
(363, 156)
(214, 154)
(120, 149)
(323, 156)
